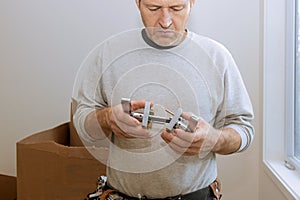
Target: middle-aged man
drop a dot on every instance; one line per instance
(172, 67)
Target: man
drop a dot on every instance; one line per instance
(170, 66)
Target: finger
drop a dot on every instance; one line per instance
(194, 149)
(134, 131)
(119, 133)
(178, 141)
(176, 148)
(198, 144)
(120, 117)
(166, 136)
(186, 136)
(166, 140)
(135, 105)
(185, 151)
(202, 126)
(138, 132)
(186, 115)
(127, 132)
(192, 142)
(129, 121)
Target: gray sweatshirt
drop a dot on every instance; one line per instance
(199, 76)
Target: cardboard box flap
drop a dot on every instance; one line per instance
(56, 135)
(101, 153)
(56, 141)
(48, 168)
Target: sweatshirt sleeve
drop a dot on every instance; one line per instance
(86, 92)
(235, 110)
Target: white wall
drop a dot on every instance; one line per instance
(42, 44)
(236, 24)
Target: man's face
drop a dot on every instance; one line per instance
(165, 20)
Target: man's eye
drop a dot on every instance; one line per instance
(153, 8)
(177, 8)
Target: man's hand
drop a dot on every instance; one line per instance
(204, 139)
(114, 120)
(125, 126)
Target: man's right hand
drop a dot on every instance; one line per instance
(125, 126)
(102, 122)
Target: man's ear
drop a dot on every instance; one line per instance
(192, 2)
(137, 3)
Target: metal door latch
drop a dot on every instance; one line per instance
(148, 117)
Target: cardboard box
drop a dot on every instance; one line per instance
(8, 187)
(48, 168)
(74, 137)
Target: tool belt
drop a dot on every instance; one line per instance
(105, 192)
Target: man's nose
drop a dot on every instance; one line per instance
(165, 19)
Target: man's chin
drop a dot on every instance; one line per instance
(167, 38)
(164, 37)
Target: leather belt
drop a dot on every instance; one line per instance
(196, 195)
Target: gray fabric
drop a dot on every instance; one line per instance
(199, 75)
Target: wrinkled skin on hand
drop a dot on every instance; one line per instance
(202, 140)
(125, 126)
